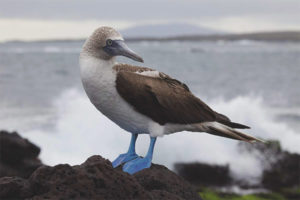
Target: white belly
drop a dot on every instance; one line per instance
(99, 84)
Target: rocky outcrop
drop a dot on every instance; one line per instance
(280, 170)
(285, 173)
(96, 179)
(93, 179)
(203, 174)
(18, 156)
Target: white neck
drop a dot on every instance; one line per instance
(87, 60)
(91, 66)
(97, 75)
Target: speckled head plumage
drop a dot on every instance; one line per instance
(106, 43)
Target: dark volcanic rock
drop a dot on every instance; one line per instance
(162, 182)
(18, 156)
(96, 179)
(281, 168)
(14, 187)
(285, 173)
(204, 174)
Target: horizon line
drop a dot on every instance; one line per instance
(186, 37)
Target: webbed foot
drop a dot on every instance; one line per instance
(137, 165)
(123, 158)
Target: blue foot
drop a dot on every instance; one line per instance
(123, 158)
(137, 165)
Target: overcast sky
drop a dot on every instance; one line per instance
(30, 19)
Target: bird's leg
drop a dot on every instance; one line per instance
(138, 164)
(130, 155)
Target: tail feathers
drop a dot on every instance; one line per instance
(234, 125)
(219, 129)
(226, 121)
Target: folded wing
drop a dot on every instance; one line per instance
(167, 100)
(163, 99)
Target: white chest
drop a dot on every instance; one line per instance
(98, 82)
(98, 78)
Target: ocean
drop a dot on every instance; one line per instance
(255, 83)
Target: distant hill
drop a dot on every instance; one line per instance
(166, 30)
(276, 36)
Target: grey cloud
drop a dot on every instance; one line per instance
(146, 10)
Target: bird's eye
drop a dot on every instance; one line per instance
(109, 42)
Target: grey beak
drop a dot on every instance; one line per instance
(119, 48)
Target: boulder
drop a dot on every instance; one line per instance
(18, 156)
(202, 174)
(97, 179)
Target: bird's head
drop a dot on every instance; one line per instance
(106, 43)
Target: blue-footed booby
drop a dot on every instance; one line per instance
(142, 100)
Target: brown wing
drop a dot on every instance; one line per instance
(121, 67)
(163, 99)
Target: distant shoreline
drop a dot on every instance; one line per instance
(283, 36)
(275, 36)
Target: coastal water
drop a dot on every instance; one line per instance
(255, 83)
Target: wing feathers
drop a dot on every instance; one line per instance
(234, 125)
(164, 99)
(216, 128)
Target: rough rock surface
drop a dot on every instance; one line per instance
(96, 179)
(18, 156)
